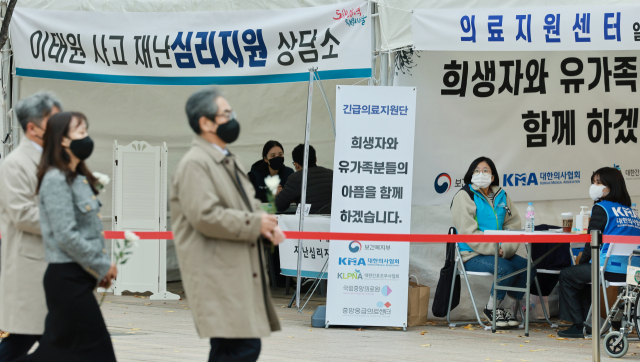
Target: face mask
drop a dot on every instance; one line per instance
(82, 148)
(276, 163)
(229, 132)
(597, 192)
(481, 180)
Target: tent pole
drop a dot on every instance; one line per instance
(15, 96)
(373, 9)
(5, 75)
(305, 172)
(392, 66)
(333, 123)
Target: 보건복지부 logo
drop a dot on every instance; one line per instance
(441, 189)
(355, 246)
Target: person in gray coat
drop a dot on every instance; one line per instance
(74, 247)
(22, 303)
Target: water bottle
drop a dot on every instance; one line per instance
(635, 209)
(529, 225)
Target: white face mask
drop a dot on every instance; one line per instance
(481, 180)
(597, 192)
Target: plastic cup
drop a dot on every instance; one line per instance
(567, 222)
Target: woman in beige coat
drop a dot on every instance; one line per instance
(218, 227)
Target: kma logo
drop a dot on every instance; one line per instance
(355, 246)
(441, 189)
(520, 179)
(351, 261)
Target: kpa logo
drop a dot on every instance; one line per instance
(355, 275)
(355, 246)
(445, 186)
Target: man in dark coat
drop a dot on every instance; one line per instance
(319, 184)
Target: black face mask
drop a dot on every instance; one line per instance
(229, 132)
(82, 148)
(276, 163)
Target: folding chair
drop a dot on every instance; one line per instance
(614, 249)
(462, 271)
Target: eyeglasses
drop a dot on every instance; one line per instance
(486, 172)
(228, 116)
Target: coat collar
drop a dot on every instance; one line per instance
(28, 149)
(210, 150)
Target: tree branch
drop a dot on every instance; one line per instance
(4, 31)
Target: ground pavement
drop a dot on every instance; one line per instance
(145, 330)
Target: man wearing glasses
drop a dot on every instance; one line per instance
(219, 230)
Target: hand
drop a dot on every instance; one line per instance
(279, 189)
(111, 274)
(267, 223)
(501, 253)
(278, 236)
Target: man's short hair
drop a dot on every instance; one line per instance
(298, 155)
(202, 104)
(35, 107)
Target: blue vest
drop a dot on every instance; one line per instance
(488, 217)
(620, 221)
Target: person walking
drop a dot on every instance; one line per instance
(219, 231)
(72, 233)
(22, 302)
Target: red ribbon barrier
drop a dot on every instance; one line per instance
(143, 235)
(413, 238)
(439, 238)
(431, 238)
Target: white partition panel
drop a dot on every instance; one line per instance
(139, 201)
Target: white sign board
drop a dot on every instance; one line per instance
(194, 48)
(547, 118)
(314, 252)
(549, 28)
(372, 184)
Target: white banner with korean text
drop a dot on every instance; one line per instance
(547, 119)
(315, 253)
(561, 28)
(372, 187)
(194, 48)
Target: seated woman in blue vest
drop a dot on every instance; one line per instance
(612, 215)
(482, 205)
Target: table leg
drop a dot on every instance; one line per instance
(528, 291)
(495, 289)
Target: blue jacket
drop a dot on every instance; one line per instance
(620, 221)
(488, 217)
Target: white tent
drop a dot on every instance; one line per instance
(271, 111)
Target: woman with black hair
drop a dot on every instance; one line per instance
(74, 329)
(612, 215)
(272, 164)
(482, 205)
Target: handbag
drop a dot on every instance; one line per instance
(443, 290)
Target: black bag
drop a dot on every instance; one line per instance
(443, 291)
